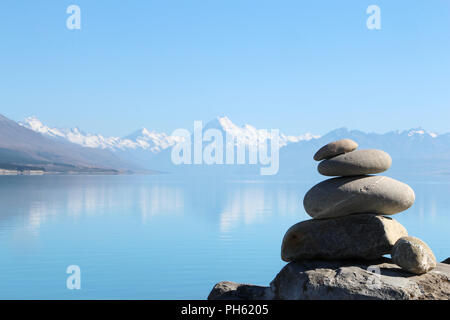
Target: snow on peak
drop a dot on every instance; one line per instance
(249, 135)
(35, 124)
(420, 131)
(152, 140)
(227, 124)
(145, 132)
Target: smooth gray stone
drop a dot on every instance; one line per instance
(339, 197)
(356, 163)
(344, 280)
(335, 148)
(366, 236)
(413, 255)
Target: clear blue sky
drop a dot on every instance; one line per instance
(296, 65)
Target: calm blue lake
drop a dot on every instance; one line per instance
(163, 237)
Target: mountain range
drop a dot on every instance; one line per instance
(30, 144)
(22, 149)
(154, 141)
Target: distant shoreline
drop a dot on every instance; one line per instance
(9, 172)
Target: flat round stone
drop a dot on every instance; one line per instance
(335, 148)
(355, 163)
(413, 255)
(339, 197)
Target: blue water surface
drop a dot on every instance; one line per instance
(163, 236)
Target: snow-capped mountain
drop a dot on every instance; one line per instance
(249, 135)
(413, 151)
(141, 139)
(25, 149)
(74, 135)
(421, 132)
(149, 140)
(155, 142)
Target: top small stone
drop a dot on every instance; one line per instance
(335, 148)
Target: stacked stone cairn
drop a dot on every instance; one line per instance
(350, 212)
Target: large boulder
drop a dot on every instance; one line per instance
(335, 148)
(366, 236)
(339, 197)
(355, 163)
(413, 255)
(348, 280)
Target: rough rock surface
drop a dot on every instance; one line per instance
(227, 290)
(356, 163)
(335, 148)
(366, 236)
(413, 255)
(339, 197)
(349, 280)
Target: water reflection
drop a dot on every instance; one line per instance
(161, 237)
(251, 204)
(30, 201)
(160, 199)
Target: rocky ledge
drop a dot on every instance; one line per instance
(343, 280)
